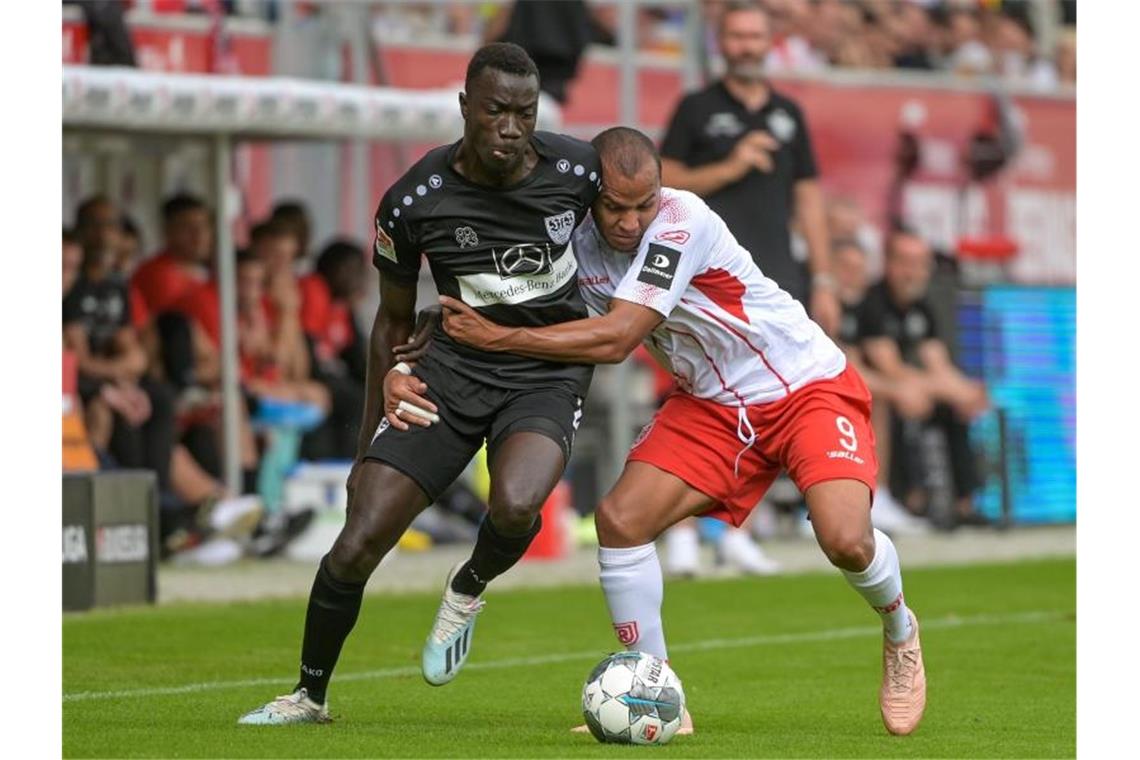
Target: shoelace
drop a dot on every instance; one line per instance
(289, 705)
(902, 672)
(453, 615)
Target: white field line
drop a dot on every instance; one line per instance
(1036, 616)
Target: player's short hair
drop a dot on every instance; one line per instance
(506, 57)
(336, 254)
(270, 228)
(179, 204)
(626, 151)
(69, 237)
(738, 6)
(88, 206)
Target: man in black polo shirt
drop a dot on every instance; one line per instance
(745, 149)
(900, 339)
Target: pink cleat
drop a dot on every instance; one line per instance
(902, 698)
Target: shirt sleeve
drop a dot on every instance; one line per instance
(679, 136)
(665, 265)
(394, 252)
(802, 152)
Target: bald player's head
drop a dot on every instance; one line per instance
(626, 151)
(631, 187)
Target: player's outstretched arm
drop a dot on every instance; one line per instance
(598, 340)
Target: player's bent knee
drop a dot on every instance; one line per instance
(618, 526)
(847, 548)
(353, 557)
(514, 507)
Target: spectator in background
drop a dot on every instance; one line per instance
(130, 247)
(111, 361)
(292, 216)
(168, 279)
(337, 353)
(745, 148)
(554, 33)
(277, 245)
(849, 263)
(914, 30)
(967, 53)
(1015, 53)
(72, 260)
(181, 266)
(901, 341)
(846, 221)
(270, 365)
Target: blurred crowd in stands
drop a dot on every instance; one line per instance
(964, 38)
(967, 38)
(146, 336)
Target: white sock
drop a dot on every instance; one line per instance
(631, 580)
(881, 585)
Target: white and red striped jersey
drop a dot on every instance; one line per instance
(730, 334)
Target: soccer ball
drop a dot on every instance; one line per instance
(633, 698)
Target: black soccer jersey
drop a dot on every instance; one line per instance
(504, 252)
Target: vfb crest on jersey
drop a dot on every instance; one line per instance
(560, 227)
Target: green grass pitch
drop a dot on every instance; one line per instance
(781, 667)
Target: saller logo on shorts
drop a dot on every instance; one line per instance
(660, 266)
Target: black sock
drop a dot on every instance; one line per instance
(494, 554)
(333, 608)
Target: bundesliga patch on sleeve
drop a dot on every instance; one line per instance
(660, 266)
(384, 246)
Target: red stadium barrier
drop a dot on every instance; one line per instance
(553, 541)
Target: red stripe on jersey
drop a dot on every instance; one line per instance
(737, 333)
(723, 289)
(712, 364)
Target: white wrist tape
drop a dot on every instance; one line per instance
(402, 368)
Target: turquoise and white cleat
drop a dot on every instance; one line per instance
(287, 709)
(449, 642)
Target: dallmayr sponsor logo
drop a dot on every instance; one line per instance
(122, 543)
(490, 288)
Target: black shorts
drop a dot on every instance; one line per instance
(472, 412)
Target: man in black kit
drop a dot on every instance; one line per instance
(493, 215)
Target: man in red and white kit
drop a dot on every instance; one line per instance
(761, 387)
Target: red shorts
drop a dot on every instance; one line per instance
(820, 432)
